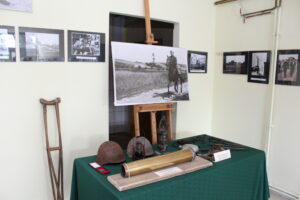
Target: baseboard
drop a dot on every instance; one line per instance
(284, 193)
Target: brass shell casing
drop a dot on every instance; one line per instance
(157, 162)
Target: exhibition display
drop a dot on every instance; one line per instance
(244, 174)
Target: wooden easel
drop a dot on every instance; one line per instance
(57, 181)
(152, 108)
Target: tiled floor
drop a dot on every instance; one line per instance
(276, 196)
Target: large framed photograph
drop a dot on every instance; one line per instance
(235, 62)
(44, 45)
(86, 46)
(259, 66)
(7, 44)
(288, 67)
(146, 74)
(19, 5)
(197, 62)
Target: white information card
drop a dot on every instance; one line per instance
(222, 155)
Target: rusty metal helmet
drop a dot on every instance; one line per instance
(110, 153)
(139, 147)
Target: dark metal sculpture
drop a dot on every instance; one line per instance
(162, 134)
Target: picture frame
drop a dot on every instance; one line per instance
(17, 5)
(197, 62)
(7, 44)
(235, 62)
(86, 46)
(41, 45)
(147, 74)
(288, 67)
(259, 66)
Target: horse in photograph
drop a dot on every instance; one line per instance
(174, 74)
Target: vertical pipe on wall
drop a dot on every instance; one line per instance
(277, 19)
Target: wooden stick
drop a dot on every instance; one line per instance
(153, 127)
(149, 34)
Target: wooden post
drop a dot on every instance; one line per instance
(149, 34)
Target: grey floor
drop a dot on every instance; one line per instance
(276, 196)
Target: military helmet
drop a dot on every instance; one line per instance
(139, 147)
(110, 152)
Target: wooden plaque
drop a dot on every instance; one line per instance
(122, 183)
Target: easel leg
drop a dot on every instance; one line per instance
(169, 113)
(153, 127)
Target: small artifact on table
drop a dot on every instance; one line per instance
(162, 134)
(139, 147)
(110, 152)
(157, 162)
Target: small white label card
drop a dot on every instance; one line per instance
(168, 171)
(94, 165)
(222, 155)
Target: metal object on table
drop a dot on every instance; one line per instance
(110, 152)
(157, 162)
(193, 147)
(162, 134)
(139, 147)
(57, 181)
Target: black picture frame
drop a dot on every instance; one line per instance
(259, 66)
(197, 62)
(288, 67)
(7, 44)
(41, 45)
(235, 62)
(86, 46)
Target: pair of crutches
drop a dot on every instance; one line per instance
(56, 178)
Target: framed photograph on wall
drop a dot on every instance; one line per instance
(7, 44)
(43, 45)
(197, 62)
(19, 5)
(86, 46)
(146, 74)
(259, 66)
(235, 62)
(288, 67)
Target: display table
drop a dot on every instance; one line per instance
(243, 177)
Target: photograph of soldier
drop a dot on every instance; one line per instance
(145, 74)
(86, 46)
(235, 62)
(197, 61)
(20, 5)
(287, 67)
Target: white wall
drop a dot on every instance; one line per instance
(83, 88)
(241, 109)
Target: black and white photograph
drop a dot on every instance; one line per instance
(86, 46)
(197, 62)
(18, 5)
(259, 66)
(287, 69)
(145, 74)
(43, 45)
(235, 62)
(7, 44)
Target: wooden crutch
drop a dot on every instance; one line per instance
(57, 181)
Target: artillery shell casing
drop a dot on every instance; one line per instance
(157, 162)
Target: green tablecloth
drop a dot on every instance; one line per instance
(243, 177)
